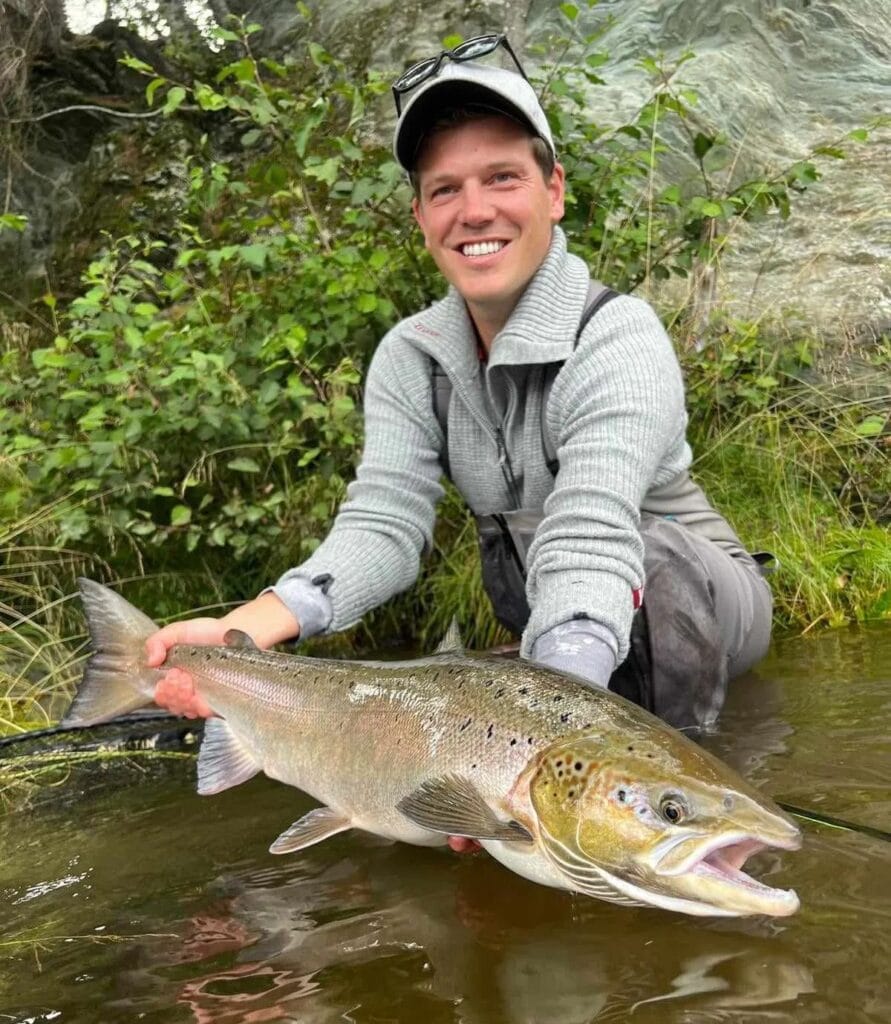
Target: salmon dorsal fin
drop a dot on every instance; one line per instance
(223, 761)
(239, 639)
(451, 643)
(453, 805)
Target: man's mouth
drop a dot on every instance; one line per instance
(481, 248)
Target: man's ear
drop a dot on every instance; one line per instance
(557, 192)
(419, 216)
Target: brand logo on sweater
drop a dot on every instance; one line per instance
(422, 328)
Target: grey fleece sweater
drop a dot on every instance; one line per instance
(617, 419)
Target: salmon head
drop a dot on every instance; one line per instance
(657, 821)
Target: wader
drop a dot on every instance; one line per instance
(705, 616)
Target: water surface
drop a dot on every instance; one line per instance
(126, 897)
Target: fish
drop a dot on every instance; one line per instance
(567, 785)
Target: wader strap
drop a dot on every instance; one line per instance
(598, 296)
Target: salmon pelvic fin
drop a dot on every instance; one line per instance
(116, 679)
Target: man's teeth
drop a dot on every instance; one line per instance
(482, 248)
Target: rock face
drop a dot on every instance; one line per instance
(778, 79)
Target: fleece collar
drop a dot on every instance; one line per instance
(541, 329)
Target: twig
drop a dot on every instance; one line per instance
(83, 106)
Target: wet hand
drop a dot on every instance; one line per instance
(461, 844)
(176, 690)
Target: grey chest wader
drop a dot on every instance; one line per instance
(687, 683)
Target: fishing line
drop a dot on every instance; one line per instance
(827, 819)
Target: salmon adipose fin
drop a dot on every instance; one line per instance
(223, 761)
(312, 828)
(116, 679)
(453, 805)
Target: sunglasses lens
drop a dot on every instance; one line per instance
(415, 74)
(476, 47)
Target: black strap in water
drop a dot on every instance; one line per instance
(826, 819)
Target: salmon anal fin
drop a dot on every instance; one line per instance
(453, 805)
(223, 761)
(312, 828)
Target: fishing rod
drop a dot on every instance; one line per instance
(828, 819)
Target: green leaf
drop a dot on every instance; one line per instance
(174, 99)
(702, 144)
(152, 88)
(180, 515)
(243, 464)
(872, 426)
(136, 65)
(570, 11)
(254, 256)
(711, 209)
(366, 303)
(14, 221)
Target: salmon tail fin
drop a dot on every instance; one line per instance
(116, 679)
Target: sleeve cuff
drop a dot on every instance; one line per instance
(580, 647)
(307, 602)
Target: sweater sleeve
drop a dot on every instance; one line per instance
(384, 525)
(616, 413)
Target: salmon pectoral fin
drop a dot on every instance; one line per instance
(312, 828)
(453, 805)
(223, 760)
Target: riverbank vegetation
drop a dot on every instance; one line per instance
(182, 408)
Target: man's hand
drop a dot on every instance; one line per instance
(266, 620)
(461, 844)
(176, 691)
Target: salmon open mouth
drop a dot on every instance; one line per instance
(724, 862)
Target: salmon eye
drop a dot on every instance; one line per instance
(672, 809)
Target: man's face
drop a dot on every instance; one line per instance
(486, 213)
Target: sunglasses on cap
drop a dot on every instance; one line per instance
(471, 49)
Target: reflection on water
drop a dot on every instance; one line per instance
(142, 901)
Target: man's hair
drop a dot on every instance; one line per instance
(458, 116)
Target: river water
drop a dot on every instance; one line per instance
(126, 897)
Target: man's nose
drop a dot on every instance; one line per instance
(476, 207)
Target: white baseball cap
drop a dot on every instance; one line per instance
(463, 84)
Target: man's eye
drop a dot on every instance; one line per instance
(503, 176)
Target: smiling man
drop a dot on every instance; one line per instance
(557, 409)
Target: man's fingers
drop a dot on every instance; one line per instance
(461, 844)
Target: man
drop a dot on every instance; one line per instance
(563, 428)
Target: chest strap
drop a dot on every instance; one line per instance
(598, 296)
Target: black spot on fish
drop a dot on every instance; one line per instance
(564, 718)
(560, 763)
(463, 727)
(489, 731)
(572, 792)
(529, 741)
(490, 682)
(621, 795)
(578, 766)
(499, 693)
(630, 747)
(558, 697)
(523, 690)
(513, 742)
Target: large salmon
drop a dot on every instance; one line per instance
(569, 786)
